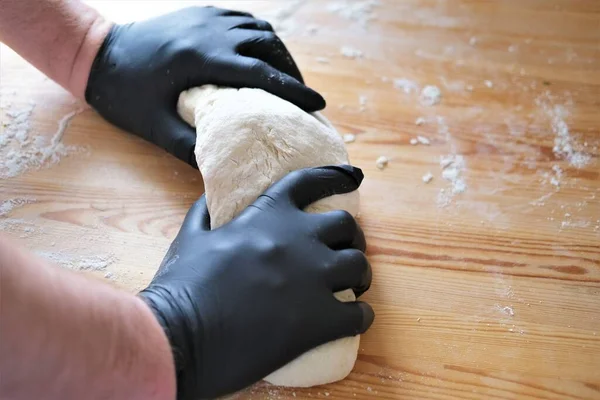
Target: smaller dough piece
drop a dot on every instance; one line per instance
(247, 139)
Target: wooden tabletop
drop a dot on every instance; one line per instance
(486, 279)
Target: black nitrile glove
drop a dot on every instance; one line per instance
(141, 69)
(241, 301)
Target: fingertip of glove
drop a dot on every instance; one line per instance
(311, 100)
(318, 103)
(354, 173)
(368, 316)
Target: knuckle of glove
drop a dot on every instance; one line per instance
(347, 220)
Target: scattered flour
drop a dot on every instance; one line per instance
(452, 168)
(406, 85)
(541, 201)
(489, 84)
(473, 41)
(282, 18)
(79, 263)
(348, 138)
(361, 12)
(420, 140)
(563, 141)
(507, 310)
(19, 226)
(362, 101)
(8, 205)
(423, 140)
(430, 95)
(351, 52)
(443, 129)
(322, 60)
(565, 146)
(428, 177)
(23, 152)
(554, 177)
(19, 126)
(382, 162)
(419, 121)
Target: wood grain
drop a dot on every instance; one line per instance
(493, 293)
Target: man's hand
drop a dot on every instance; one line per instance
(142, 68)
(241, 301)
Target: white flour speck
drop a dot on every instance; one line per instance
(452, 168)
(362, 100)
(382, 162)
(351, 52)
(430, 95)
(507, 310)
(349, 138)
(423, 140)
(406, 85)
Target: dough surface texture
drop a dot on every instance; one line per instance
(247, 139)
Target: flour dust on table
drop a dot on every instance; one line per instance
(247, 139)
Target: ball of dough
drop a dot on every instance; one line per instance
(247, 139)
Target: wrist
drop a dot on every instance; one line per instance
(98, 29)
(183, 335)
(165, 376)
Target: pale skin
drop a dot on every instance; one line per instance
(82, 336)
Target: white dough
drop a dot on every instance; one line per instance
(247, 140)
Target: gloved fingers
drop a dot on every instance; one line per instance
(345, 320)
(351, 270)
(248, 23)
(339, 230)
(239, 71)
(174, 135)
(305, 186)
(266, 46)
(354, 318)
(197, 217)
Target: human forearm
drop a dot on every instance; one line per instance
(59, 37)
(67, 337)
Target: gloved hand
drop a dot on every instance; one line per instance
(141, 69)
(241, 301)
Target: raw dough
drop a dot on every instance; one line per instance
(247, 140)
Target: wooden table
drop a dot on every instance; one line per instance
(486, 279)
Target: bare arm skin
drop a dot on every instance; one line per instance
(65, 336)
(59, 37)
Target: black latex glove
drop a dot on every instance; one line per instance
(241, 301)
(141, 69)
